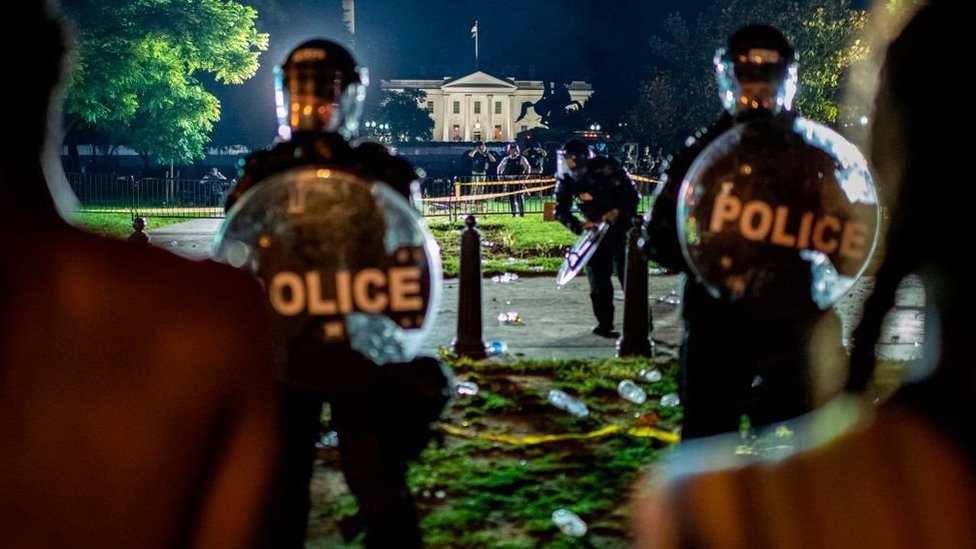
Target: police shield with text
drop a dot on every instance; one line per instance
(773, 217)
(352, 278)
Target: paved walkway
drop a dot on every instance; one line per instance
(556, 322)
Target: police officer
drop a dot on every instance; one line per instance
(735, 360)
(481, 158)
(893, 476)
(604, 192)
(536, 156)
(514, 166)
(382, 414)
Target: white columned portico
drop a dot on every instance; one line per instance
(486, 89)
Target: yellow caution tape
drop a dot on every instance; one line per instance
(644, 179)
(473, 197)
(527, 440)
(499, 182)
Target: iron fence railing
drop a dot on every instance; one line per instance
(204, 198)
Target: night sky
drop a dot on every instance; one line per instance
(600, 41)
(604, 42)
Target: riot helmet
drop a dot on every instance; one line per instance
(319, 89)
(571, 160)
(756, 71)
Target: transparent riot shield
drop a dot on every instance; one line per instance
(779, 212)
(347, 264)
(580, 253)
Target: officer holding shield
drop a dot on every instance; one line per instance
(772, 217)
(604, 193)
(351, 276)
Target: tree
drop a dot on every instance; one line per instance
(406, 113)
(134, 75)
(822, 31)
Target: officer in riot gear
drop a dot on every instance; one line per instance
(319, 100)
(604, 193)
(746, 356)
(382, 411)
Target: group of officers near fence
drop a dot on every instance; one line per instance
(350, 277)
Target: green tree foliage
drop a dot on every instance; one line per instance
(134, 77)
(680, 94)
(406, 113)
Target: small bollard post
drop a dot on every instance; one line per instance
(634, 339)
(139, 235)
(469, 342)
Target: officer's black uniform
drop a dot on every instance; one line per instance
(382, 414)
(735, 360)
(599, 185)
(513, 168)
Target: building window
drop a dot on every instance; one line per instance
(477, 107)
(430, 106)
(457, 107)
(498, 107)
(498, 132)
(477, 136)
(456, 132)
(524, 127)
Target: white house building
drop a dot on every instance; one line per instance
(482, 107)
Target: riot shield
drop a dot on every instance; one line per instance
(347, 264)
(581, 252)
(779, 212)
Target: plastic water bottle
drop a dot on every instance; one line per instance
(466, 388)
(565, 402)
(569, 523)
(493, 348)
(670, 400)
(652, 375)
(328, 440)
(631, 391)
(510, 317)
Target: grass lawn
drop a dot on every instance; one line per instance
(524, 245)
(117, 224)
(481, 488)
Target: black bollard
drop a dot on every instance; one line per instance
(139, 235)
(634, 340)
(469, 342)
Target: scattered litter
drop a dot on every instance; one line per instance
(493, 348)
(465, 388)
(328, 440)
(652, 375)
(564, 402)
(569, 523)
(504, 278)
(670, 400)
(629, 390)
(509, 318)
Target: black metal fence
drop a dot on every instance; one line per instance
(150, 196)
(204, 198)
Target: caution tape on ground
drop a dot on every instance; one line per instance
(528, 440)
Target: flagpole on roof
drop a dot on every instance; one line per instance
(474, 34)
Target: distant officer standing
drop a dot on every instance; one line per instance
(513, 167)
(536, 156)
(481, 158)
